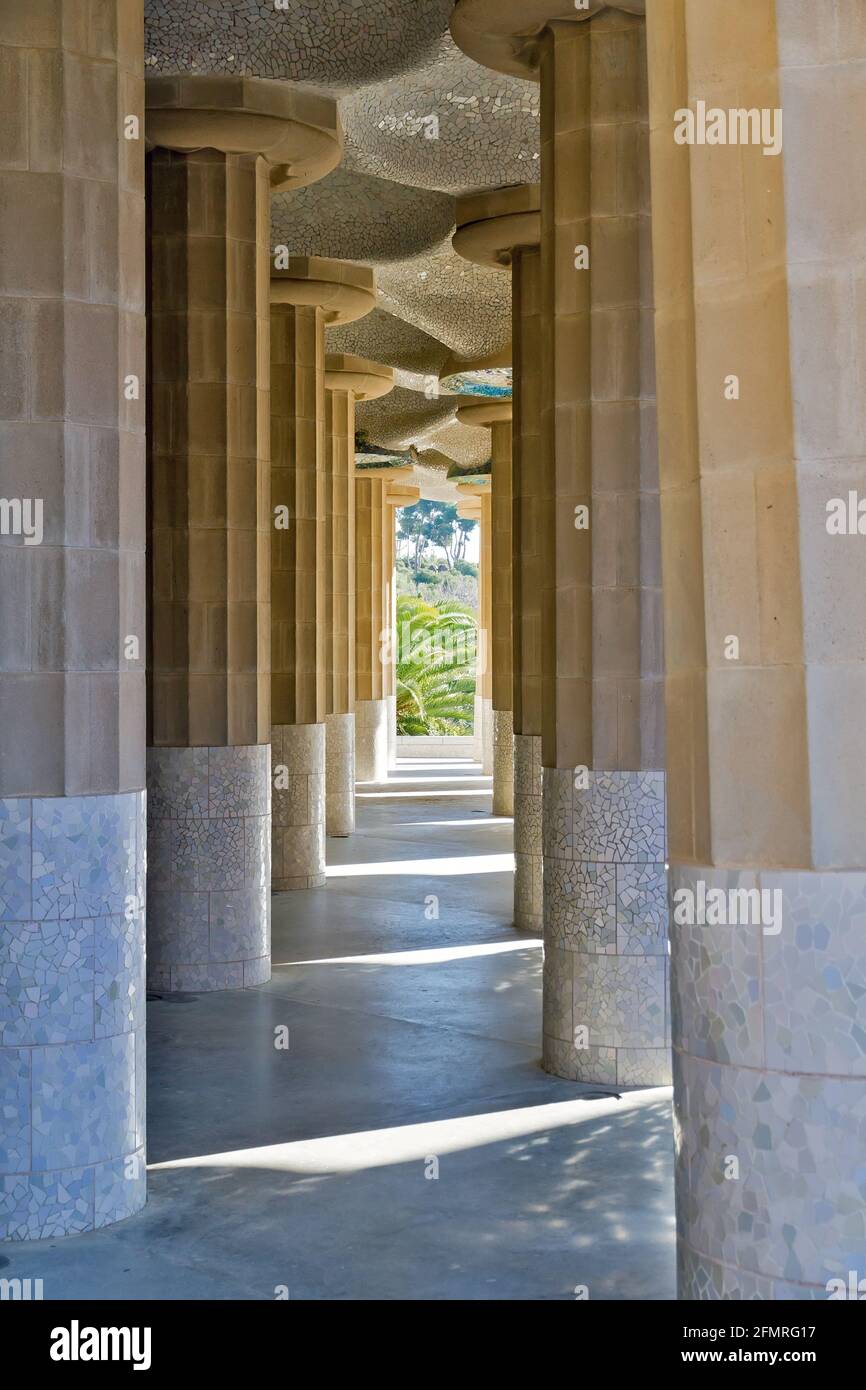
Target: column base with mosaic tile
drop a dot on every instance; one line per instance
(72, 1056)
(606, 1017)
(209, 868)
(528, 858)
(298, 752)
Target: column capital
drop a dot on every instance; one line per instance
(366, 380)
(385, 471)
(297, 131)
(344, 291)
(503, 34)
(492, 225)
(484, 412)
(475, 487)
(401, 494)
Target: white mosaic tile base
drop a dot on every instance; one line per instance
(340, 774)
(769, 1037)
(298, 838)
(606, 1016)
(209, 868)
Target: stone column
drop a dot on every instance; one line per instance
(72, 639)
(469, 509)
(605, 905)
(389, 624)
(209, 807)
(340, 612)
(501, 605)
(493, 700)
(526, 582)
(761, 325)
(307, 294)
(347, 379)
(371, 707)
(502, 229)
(605, 980)
(484, 687)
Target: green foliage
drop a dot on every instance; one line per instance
(436, 646)
(431, 554)
(466, 567)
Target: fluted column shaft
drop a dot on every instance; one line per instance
(340, 615)
(389, 624)
(72, 601)
(340, 626)
(484, 678)
(299, 483)
(526, 585)
(761, 325)
(501, 605)
(605, 987)
(371, 710)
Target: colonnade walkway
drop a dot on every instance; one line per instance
(295, 1129)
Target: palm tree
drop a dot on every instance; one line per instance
(436, 647)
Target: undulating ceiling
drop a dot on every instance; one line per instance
(423, 123)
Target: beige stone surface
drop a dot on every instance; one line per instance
(210, 450)
(484, 412)
(72, 331)
(735, 472)
(298, 484)
(366, 380)
(758, 267)
(502, 600)
(340, 552)
(314, 560)
(495, 224)
(369, 587)
(484, 685)
(526, 488)
(347, 379)
(602, 649)
(388, 644)
(507, 35)
(343, 291)
(296, 130)
(402, 494)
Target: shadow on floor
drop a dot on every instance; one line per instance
(412, 1044)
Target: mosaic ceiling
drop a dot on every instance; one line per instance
(423, 123)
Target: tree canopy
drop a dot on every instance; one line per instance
(433, 524)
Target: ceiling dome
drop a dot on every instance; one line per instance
(354, 217)
(337, 44)
(451, 126)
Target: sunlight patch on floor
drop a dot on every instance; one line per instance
(450, 866)
(416, 796)
(434, 955)
(381, 1148)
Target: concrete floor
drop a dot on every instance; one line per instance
(412, 1037)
